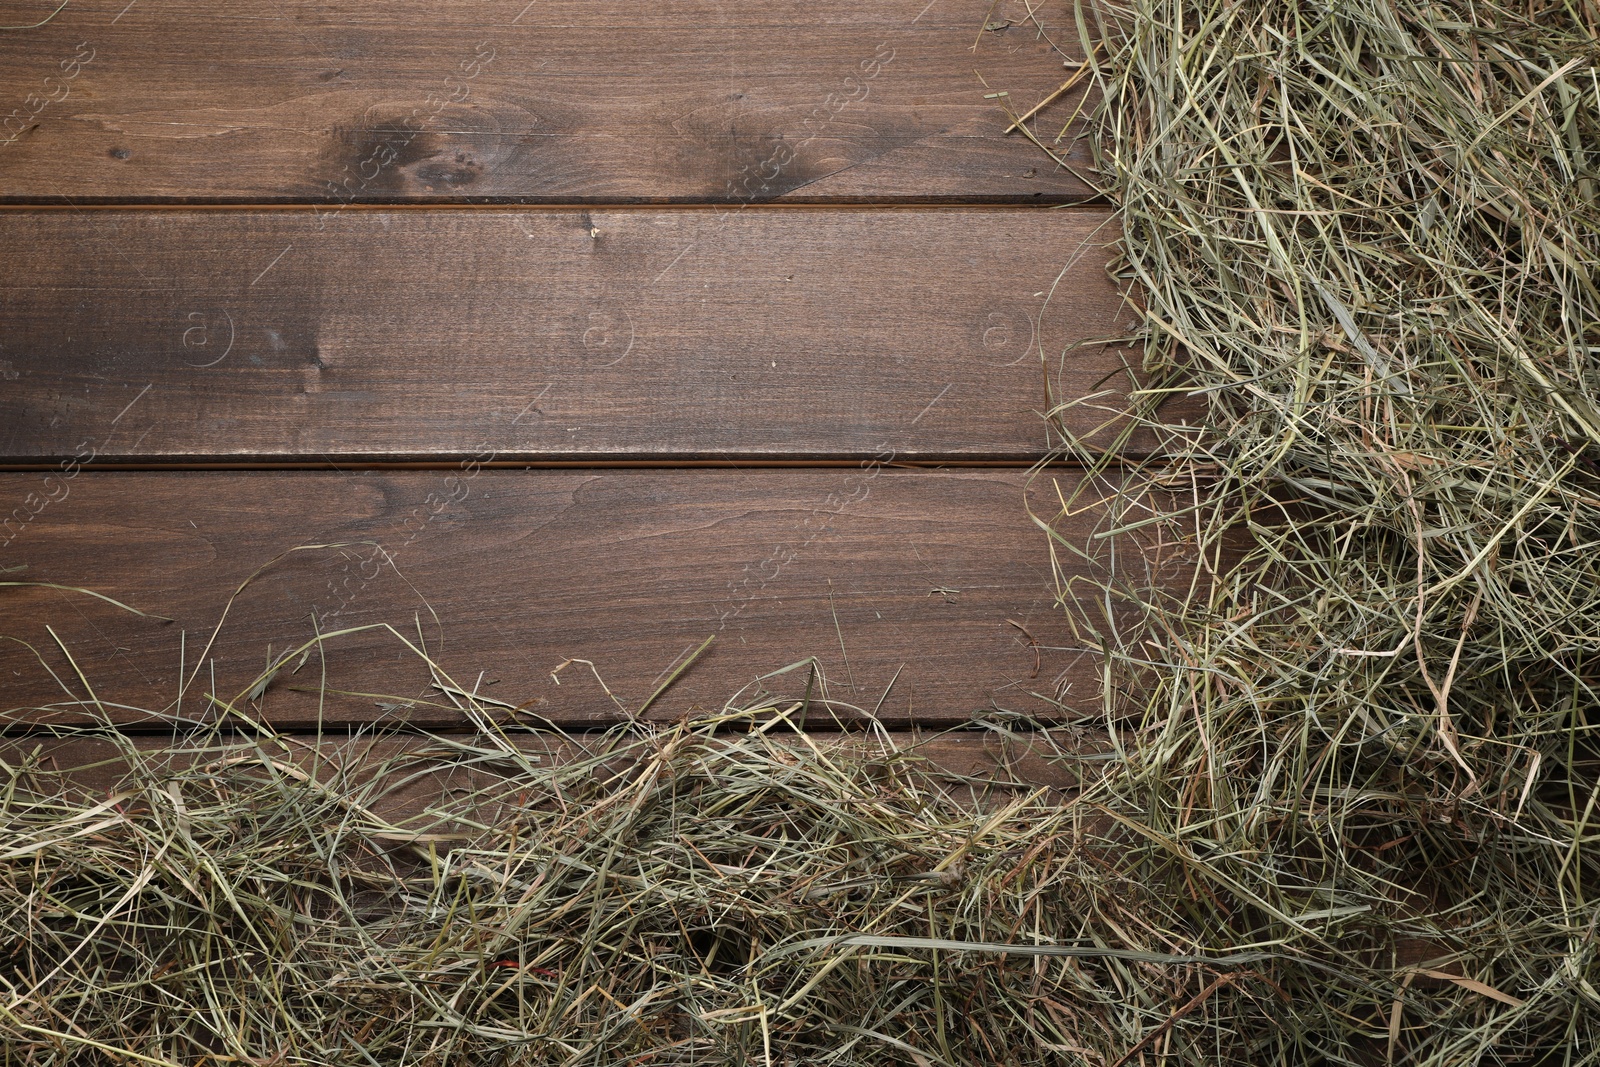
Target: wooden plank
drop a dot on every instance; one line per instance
(555, 101)
(588, 336)
(431, 768)
(924, 595)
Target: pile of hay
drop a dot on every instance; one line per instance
(1363, 235)
(716, 892)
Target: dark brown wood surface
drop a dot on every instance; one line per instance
(421, 770)
(925, 595)
(543, 335)
(550, 100)
(478, 237)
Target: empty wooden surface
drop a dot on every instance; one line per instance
(553, 100)
(541, 234)
(579, 335)
(925, 595)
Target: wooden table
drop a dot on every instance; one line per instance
(546, 333)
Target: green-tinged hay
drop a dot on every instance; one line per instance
(714, 892)
(1362, 238)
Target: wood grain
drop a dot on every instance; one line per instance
(924, 596)
(553, 101)
(538, 336)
